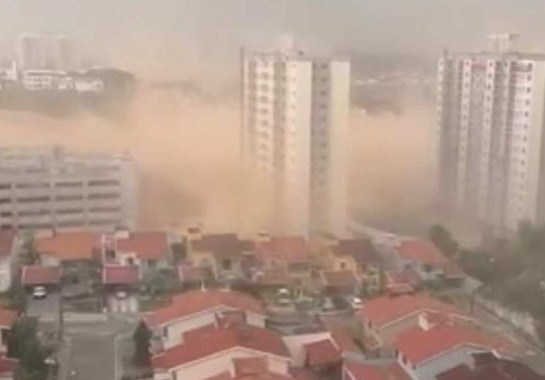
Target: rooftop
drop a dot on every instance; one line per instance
(146, 245)
(7, 238)
(222, 245)
(212, 341)
(120, 275)
(371, 371)
(7, 317)
(339, 279)
(419, 345)
(322, 353)
(68, 245)
(40, 275)
(291, 249)
(384, 310)
(423, 251)
(195, 301)
(362, 250)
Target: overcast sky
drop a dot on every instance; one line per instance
(186, 32)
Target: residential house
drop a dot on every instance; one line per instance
(194, 276)
(224, 254)
(340, 282)
(373, 370)
(120, 277)
(488, 366)
(199, 308)
(291, 255)
(8, 252)
(38, 275)
(384, 318)
(8, 368)
(68, 249)
(253, 368)
(214, 351)
(7, 319)
(437, 345)
(146, 250)
(423, 257)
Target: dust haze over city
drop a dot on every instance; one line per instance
(272, 190)
(181, 136)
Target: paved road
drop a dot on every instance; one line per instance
(91, 350)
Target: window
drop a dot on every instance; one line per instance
(226, 264)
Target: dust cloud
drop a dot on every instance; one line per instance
(187, 152)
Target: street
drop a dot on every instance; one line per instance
(91, 349)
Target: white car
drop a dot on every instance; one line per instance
(39, 292)
(356, 303)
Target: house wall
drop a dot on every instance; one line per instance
(5, 273)
(47, 260)
(295, 344)
(430, 369)
(176, 329)
(223, 362)
(434, 274)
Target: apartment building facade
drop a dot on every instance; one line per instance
(489, 147)
(44, 188)
(294, 133)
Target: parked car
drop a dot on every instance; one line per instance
(39, 292)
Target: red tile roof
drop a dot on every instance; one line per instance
(7, 238)
(361, 371)
(8, 366)
(146, 245)
(40, 275)
(303, 374)
(7, 317)
(222, 245)
(362, 250)
(120, 275)
(68, 246)
(322, 353)
(419, 345)
(344, 341)
(189, 273)
(195, 301)
(291, 249)
(344, 279)
(383, 310)
(261, 376)
(200, 346)
(423, 251)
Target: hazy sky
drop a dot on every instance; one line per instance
(185, 33)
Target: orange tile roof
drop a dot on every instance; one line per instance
(423, 251)
(146, 245)
(290, 249)
(120, 275)
(383, 310)
(68, 245)
(210, 342)
(419, 345)
(7, 317)
(195, 301)
(7, 238)
(322, 353)
(40, 275)
(367, 371)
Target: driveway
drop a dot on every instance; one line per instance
(46, 308)
(122, 305)
(93, 350)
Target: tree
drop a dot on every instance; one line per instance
(24, 345)
(142, 343)
(443, 239)
(28, 254)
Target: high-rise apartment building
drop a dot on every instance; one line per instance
(51, 52)
(490, 140)
(44, 188)
(294, 132)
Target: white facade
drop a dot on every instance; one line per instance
(52, 52)
(44, 188)
(223, 362)
(171, 332)
(490, 159)
(295, 116)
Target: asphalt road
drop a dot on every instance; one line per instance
(92, 350)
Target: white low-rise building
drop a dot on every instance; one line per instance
(199, 308)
